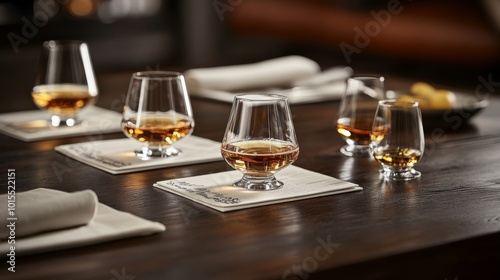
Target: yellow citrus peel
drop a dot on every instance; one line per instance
(430, 98)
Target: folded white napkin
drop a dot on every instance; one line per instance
(38, 211)
(117, 156)
(216, 190)
(295, 77)
(270, 73)
(34, 125)
(108, 224)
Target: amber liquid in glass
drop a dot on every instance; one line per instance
(356, 131)
(260, 157)
(397, 157)
(157, 130)
(65, 99)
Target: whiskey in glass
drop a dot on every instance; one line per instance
(356, 112)
(260, 140)
(397, 140)
(65, 81)
(157, 113)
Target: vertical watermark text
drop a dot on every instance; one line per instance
(11, 219)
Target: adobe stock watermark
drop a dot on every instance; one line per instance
(363, 37)
(188, 212)
(310, 264)
(454, 119)
(92, 137)
(221, 7)
(118, 103)
(485, 87)
(69, 165)
(11, 219)
(121, 275)
(44, 10)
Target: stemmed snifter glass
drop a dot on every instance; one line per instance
(65, 81)
(157, 112)
(260, 140)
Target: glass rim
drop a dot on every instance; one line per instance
(261, 97)
(367, 77)
(50, 44)
(157, 75)
(398, 103)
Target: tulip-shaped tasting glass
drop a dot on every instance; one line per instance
(157, 112)
(357, 108)
(260, 140)
(397, 139)
(65, 81)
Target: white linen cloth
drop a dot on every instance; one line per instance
(216, 190)
(117, 156)
(38, 211)
(107, 224)
(280, 71)
(296, 77)
(35, 125)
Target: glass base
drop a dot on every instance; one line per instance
(401, 175)
(259, 183)
(147, 153)
(59, 121)
(356, 151)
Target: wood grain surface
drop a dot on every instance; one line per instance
(445, 225)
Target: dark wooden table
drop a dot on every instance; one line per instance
(446, 225)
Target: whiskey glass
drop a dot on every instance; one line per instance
(260, 140)
(356, 112)
(157, 113)
(65, 81)
(397, 139)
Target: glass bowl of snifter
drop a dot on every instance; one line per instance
(65, 81)
(260, 140)
(157, 113)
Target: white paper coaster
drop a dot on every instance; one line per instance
(216, 190)
(117, 156)
(33, 125)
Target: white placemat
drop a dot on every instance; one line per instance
(117, 156)
(107, 225)
(34, 125)
(216, 190)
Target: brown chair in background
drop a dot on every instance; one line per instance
(453, 32)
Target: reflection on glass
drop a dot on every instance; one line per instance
(65, 81)
(356, 112)
(260, 140)
(157, 112)
(397, 139)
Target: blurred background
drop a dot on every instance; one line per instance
(442, 42)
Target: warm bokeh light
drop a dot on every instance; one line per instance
(81, 8)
